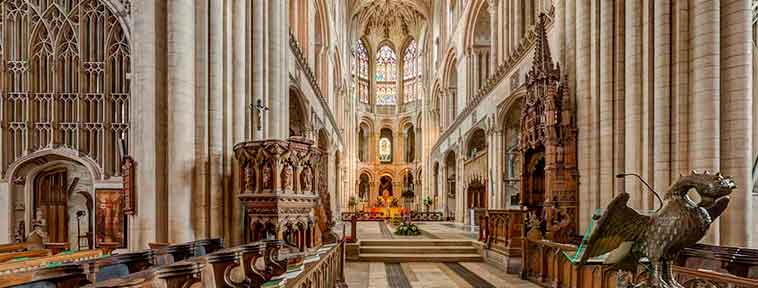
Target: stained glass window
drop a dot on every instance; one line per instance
(385, 150)
(360, 70)
(386, 64)
(410, 72)
(386, 76)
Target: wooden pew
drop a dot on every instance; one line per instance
(42, 262)
(6, 257)
(62, 276)
(17, 247)
(230, 267)
(118, 265)
(121, 265)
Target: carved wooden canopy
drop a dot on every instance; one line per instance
(548, 132)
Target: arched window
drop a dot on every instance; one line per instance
(360, 71)
(512, 173)
(386, 76)
(66, 83)
(385, 145)
(411, 73)
(410, 144)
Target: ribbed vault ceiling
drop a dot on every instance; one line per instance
(387, 18)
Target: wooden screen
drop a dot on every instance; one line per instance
(51, 197)
(64, 69)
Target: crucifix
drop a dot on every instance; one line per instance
(260, 108)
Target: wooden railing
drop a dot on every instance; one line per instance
(502, 230)
(546, 263)
(426, 216)
(327, 272)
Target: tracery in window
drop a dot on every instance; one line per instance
(386, 76)
(66, 79)
(386, 93)
(360, 70)
(411, 72)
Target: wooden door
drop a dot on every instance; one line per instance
(50, 196)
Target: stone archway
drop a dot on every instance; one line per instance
(386, 187)
(59, 188)
(450, 184)
(476, 194)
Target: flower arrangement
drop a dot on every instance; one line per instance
(407, 229)
(379, 201)
(427, 202)
(353, 203)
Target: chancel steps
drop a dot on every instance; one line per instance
(405, 250)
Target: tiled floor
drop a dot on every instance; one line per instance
(421, 274)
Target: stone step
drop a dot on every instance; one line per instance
(428, 257)
(419, 249)
(414, 242)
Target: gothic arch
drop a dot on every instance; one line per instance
(96, 66)
(385, 42)
(478, 8)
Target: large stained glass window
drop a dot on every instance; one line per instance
(411, 73)
(360, 70)
(386, 76)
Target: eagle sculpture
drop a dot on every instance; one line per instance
(629, 237)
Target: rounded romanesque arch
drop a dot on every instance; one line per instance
(450, 184)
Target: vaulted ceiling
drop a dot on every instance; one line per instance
(390, 19)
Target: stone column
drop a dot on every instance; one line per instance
(583, 91)
(504, 25)
(239, 104)
(199, 189)
(518, 27)
(662, 107)
(460, 194)
(442, 186)
(736, 123)
(492, 9)
(276, 72)
(216, 115)
(705, 92)
(256, 88)
(149, 223)
(181, 110)
(633, 100)
(605, 139)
